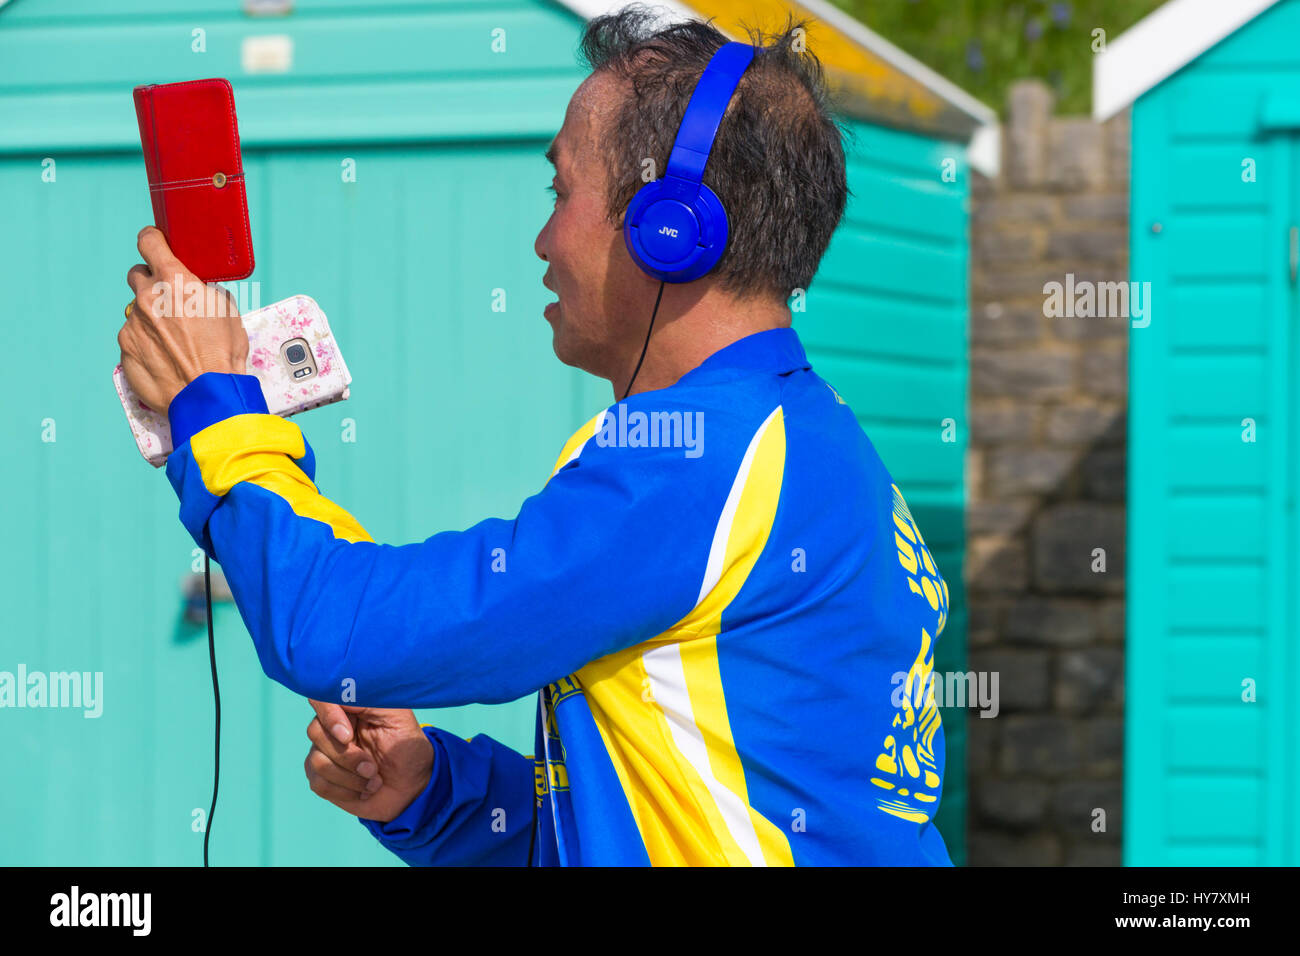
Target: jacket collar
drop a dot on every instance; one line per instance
(778, 351)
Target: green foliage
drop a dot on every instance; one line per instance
(986, 45)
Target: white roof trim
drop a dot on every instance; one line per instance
(983, 151)
(589, 9)
(1162, 43)
(870, 40)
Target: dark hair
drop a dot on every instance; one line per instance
(778, 160)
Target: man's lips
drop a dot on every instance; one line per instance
(550, 305)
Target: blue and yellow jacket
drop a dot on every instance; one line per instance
(720, 597)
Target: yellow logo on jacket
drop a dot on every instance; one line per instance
(906, 762)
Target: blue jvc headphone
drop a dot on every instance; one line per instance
(676, 227)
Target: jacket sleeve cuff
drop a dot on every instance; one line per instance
(404, 831)
(210, 398)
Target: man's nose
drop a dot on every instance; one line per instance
(539, 244)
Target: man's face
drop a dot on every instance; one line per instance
(604, 299)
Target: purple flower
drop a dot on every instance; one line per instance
(1033, 30)
(974, 56)
(1061, 14)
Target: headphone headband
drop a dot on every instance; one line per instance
(705, 110)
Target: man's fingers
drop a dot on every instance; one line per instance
(139, 278)
(339, 796)
(155, 251)
(348, 756)
(328, 742)
(322, 765)
(335, 718)
(151, 290)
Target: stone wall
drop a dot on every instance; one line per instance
(1046, 472)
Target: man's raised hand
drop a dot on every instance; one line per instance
(368, 761)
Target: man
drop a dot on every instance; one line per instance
(723, 602)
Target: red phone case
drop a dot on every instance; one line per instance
(196, 176)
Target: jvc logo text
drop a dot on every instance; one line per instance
(670, 233)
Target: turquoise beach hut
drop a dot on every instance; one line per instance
(1211, 749)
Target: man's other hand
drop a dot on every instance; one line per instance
(178, 327)
(370, 762)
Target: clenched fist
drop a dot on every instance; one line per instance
(178, 328)
(370, 762)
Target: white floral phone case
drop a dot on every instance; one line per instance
(290, 387)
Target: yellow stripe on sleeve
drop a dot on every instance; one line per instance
(252, 448)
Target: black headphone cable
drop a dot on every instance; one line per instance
(216, 696)
(647, 340)
(212, 643)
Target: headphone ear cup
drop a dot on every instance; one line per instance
(632, 223)
(715, 230)
(675, 234)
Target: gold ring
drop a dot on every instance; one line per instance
(128, 308)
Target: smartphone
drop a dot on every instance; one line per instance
(292, 352)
